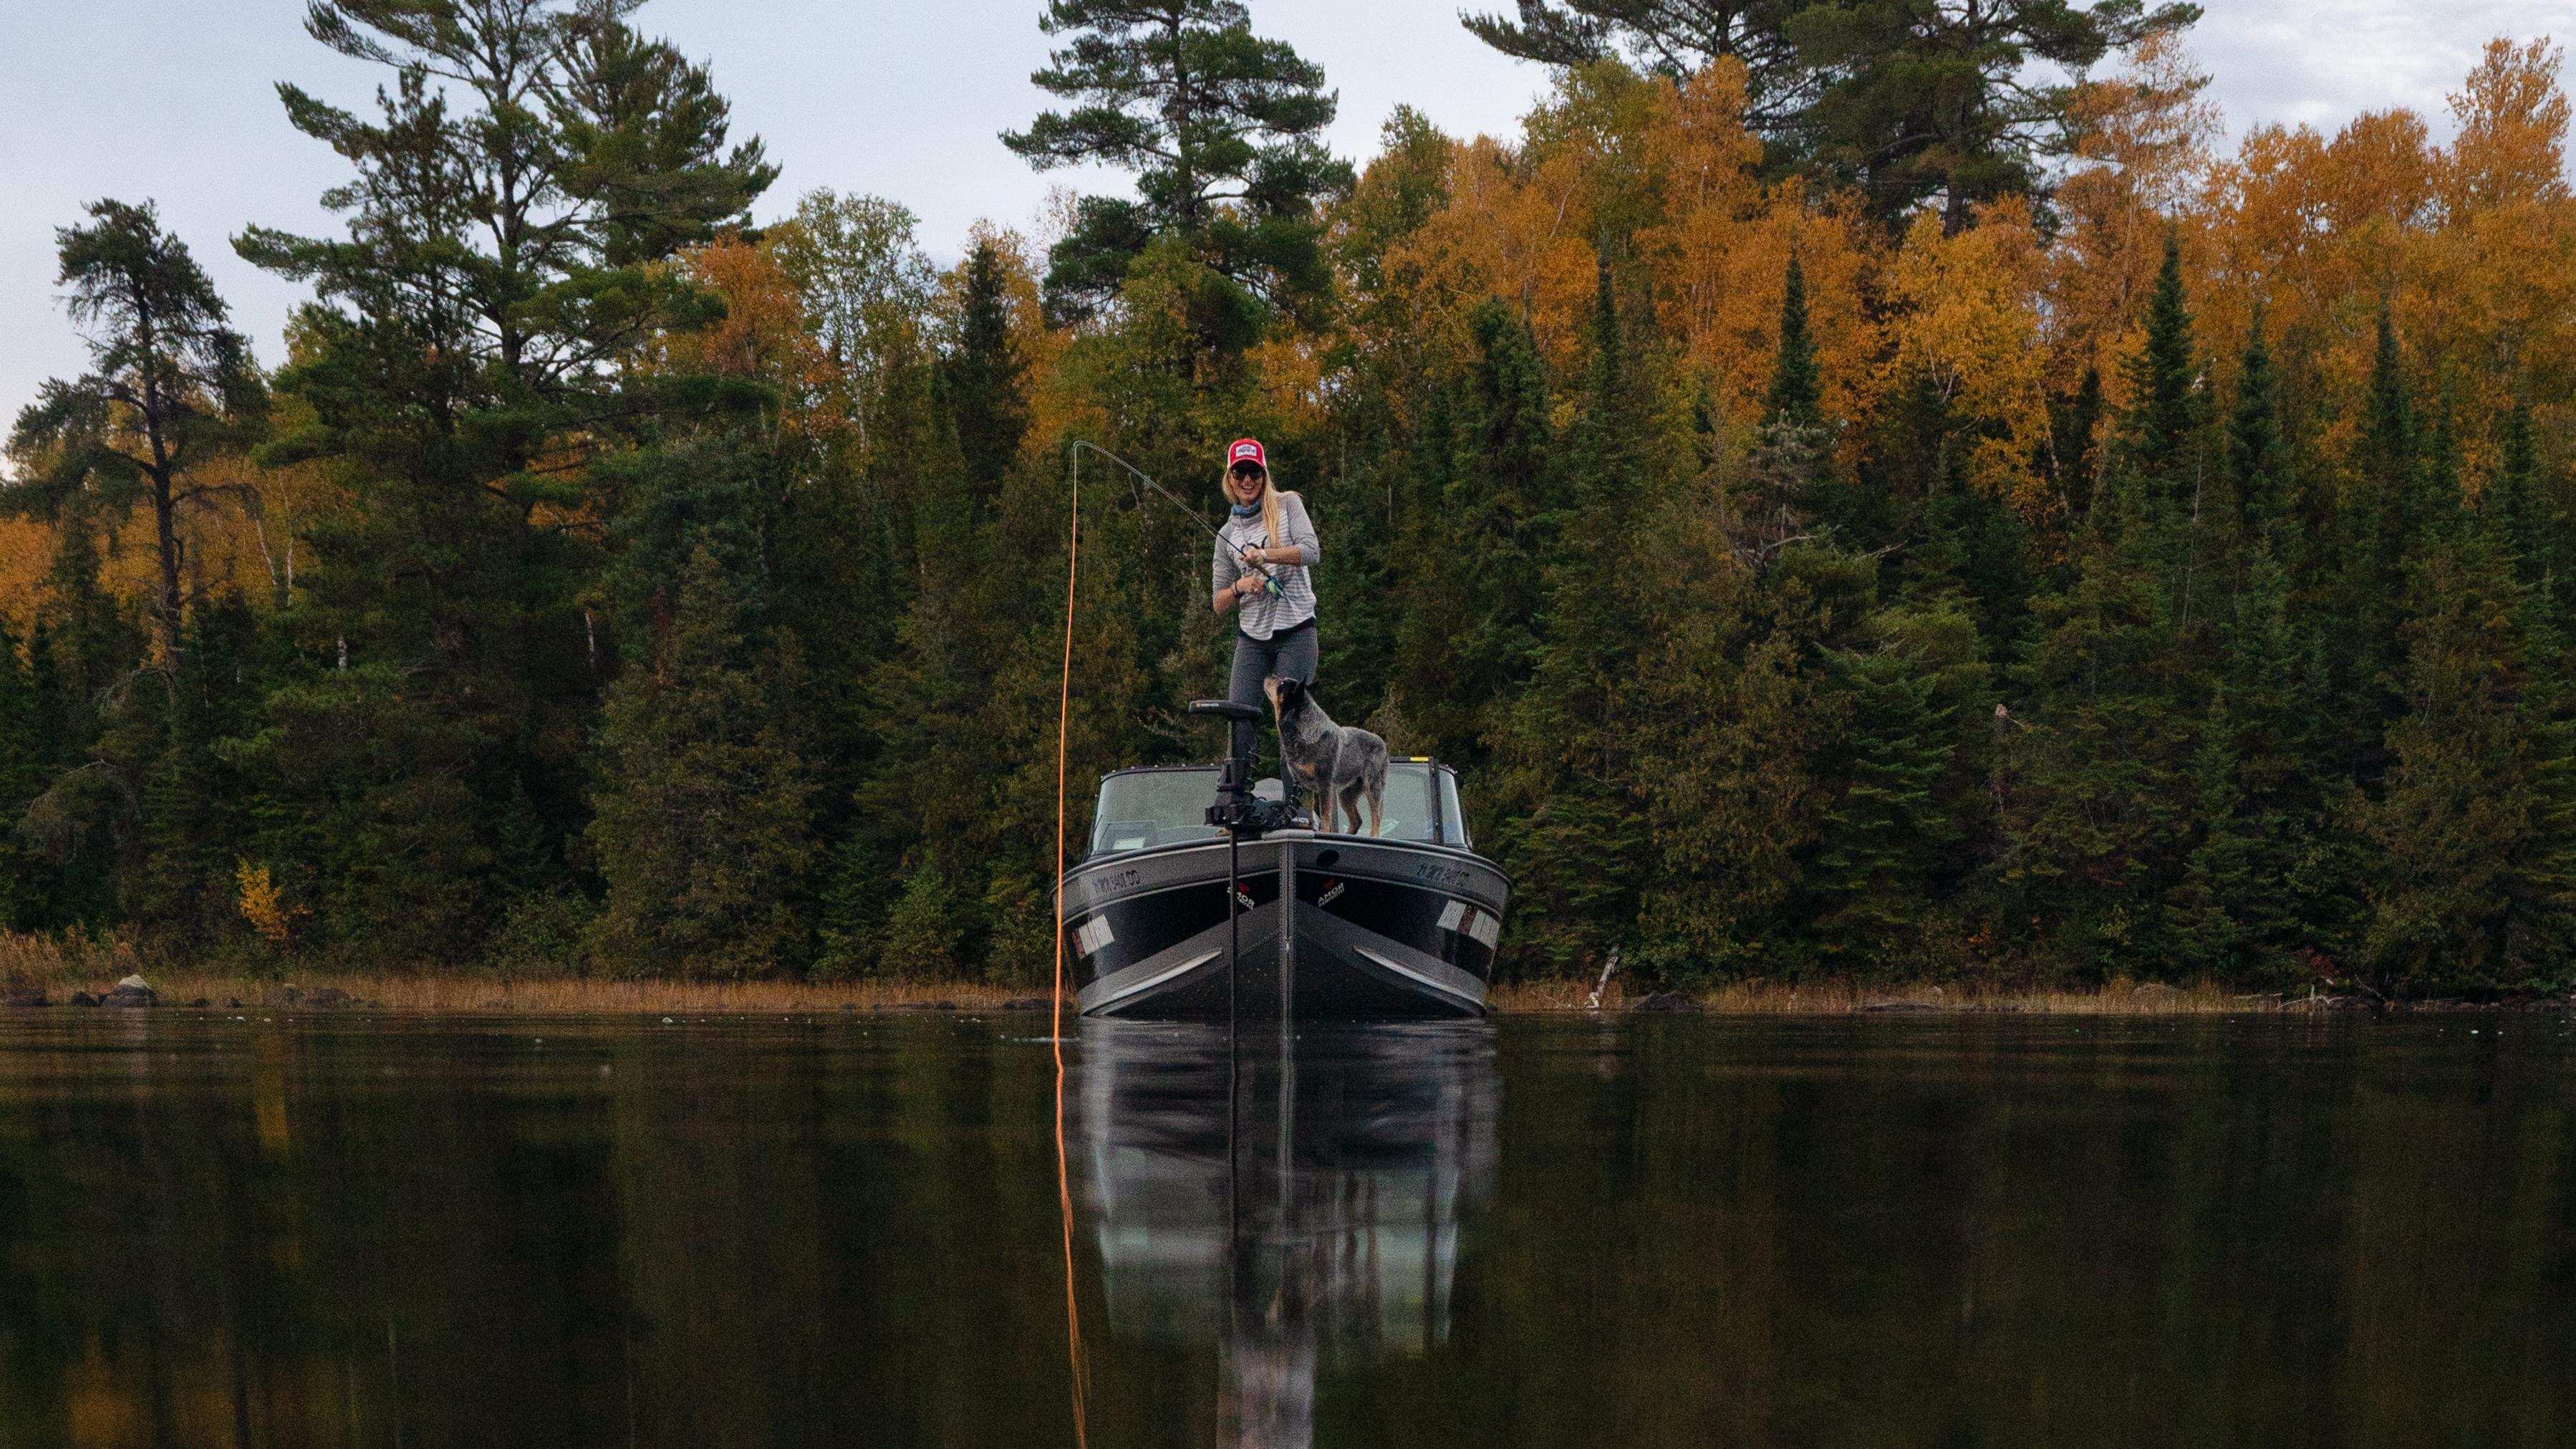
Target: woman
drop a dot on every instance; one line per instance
(1268, 538)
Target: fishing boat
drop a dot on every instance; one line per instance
(1397, 925)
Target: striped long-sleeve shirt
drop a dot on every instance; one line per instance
(1261, 615)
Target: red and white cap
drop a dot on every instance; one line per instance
(1247, 450)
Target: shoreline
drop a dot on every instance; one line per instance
(385, 993)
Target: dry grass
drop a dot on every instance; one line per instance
(63, 965)
(589, 998)
(1760, 998)
(72, 956)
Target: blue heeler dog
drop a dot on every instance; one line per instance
(1334, 764)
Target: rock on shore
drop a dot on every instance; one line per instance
(132, 991)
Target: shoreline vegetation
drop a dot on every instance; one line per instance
(1837, 531)
(37, 967)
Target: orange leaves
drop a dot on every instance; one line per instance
(1720, 257)
(2513, 130)
(1965, 319)
(1509, 231)
(2142, 161)
(763, 336)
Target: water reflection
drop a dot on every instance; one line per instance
(1312, 1229)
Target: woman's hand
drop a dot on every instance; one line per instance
(1255, 557)
(1248, 585)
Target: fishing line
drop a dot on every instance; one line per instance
(1233, 911)
(1270, 581)
(1063, 1182)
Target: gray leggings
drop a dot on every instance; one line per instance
(1290, 654)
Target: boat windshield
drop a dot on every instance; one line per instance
(1140, 809)
(1144, 808)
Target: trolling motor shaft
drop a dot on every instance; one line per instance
(1238, 811)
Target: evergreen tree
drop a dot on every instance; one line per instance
(2476, 828)
(2509, 506)
(1470, 625)
(1796, 395)
(1914, 100)
(702, 829)
(172, 383)
(194, 827)
(1570, 773)
(2380, 524)
(1675, 38)
(1891, 843)
(1903, 99)
(2160, 427)
(2258, 883)
(1224, 132)
(984, 372)
(2258, 452)
(2101, 815)
(22, 774)
(921, 934)
(531, 170)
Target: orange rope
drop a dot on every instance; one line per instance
(1063, 1184)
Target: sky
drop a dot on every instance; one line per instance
(174, 101)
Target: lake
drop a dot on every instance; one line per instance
(251, 1228)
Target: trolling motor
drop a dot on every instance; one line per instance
(1238, 811)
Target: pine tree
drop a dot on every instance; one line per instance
(1796, 395)
(702, 827)
(2160, 428)
(519, 192)
(921, 932)
(2258, 452)
(984, 372)
(2476, 827)
(1470, 626)
(1893, 836)
(2101, 817)
(1571, 775)
(22, 774)
(173, 383)
(1903, 100)
(1224, 131)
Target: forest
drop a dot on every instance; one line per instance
(1860, 491)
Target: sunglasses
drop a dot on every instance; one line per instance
(1247, 470)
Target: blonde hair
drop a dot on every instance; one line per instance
(1269, 500)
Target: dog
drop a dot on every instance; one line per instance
(1336, 765)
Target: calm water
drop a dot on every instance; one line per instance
(851, 1230)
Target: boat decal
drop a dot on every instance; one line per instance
(1409, 974)
(1485, 927)
(1095, 933)
(1159, 977)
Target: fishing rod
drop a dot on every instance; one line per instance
(1269, 581)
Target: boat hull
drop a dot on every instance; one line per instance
(1370, 930)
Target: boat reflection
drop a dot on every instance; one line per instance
(1319, 1234)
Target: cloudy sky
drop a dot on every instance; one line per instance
(173, 100)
